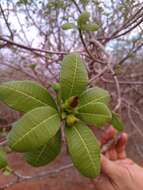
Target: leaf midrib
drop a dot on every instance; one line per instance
(86, 147)
(96, 101)
(94, 114)
(34, 128)
(26, 95)
(41, 152)
(74, 76)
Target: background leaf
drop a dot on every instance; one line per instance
(116, 122)
(90, 27)
(46, 153)
(68, 26)
(93, 95)
(34, 129)
(84, 150)
(95, 113)
(73, 77)
(3, 160)
(25, 95)
(83, 18)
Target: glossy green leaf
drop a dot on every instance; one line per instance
(25, 95)
(46, 153)
(83, 18)
(116, 122)
(68, 26)
(73, 77)
(95, 113)
(84, 149)
(34, 129)
(90, 27)
(93, 95)
(3, 160)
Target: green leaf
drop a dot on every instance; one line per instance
(46, 153)
(68, 26)
(25, 95)
(73, 77)
(32, 66)
(90, 27)
(95, 113)
(116, 122)
(93, 95)
(84, 2)
(3, 160)
(84, 150)
(23, 2)
(56, 87)
(34, 129)
(7, 171)
(83, 18)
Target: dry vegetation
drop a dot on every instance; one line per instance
(119, 70)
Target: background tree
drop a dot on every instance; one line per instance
(36, 34)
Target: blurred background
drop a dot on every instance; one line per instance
(34, 37)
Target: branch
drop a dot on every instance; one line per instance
(109, 65)
(22, 178)
(10, 42)
(123, 82)
(128, 55)
(6, 22)
(133, 19)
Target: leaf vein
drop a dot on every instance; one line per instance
(34, 128)
(26, 95)
(86, 147)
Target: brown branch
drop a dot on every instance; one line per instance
(123, 82)
(19, 178)
(76, 4)
(127, 24)
(109, 65)
(6, 22)
(128, 55)
(30, 48)
(18, 69)
(130, 29)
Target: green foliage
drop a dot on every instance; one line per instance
(73, 78)
(56, 4)
(85, 2)
(116, 122)
(3, 160)
(32, 66)
(46, 153)
(56, 87)
(84, 150)
(7, 171)
(90, 27)
(25, 95)
(93, 95)
(84, 24)
(34, 129)
(37, 133)
(95, 113)
(83, 18)
(23, 2)
(68, 26)
(71, 120)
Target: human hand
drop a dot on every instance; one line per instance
(118, 172)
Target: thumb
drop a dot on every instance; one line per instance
(109, 168)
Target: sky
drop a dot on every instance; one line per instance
(31, 33)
